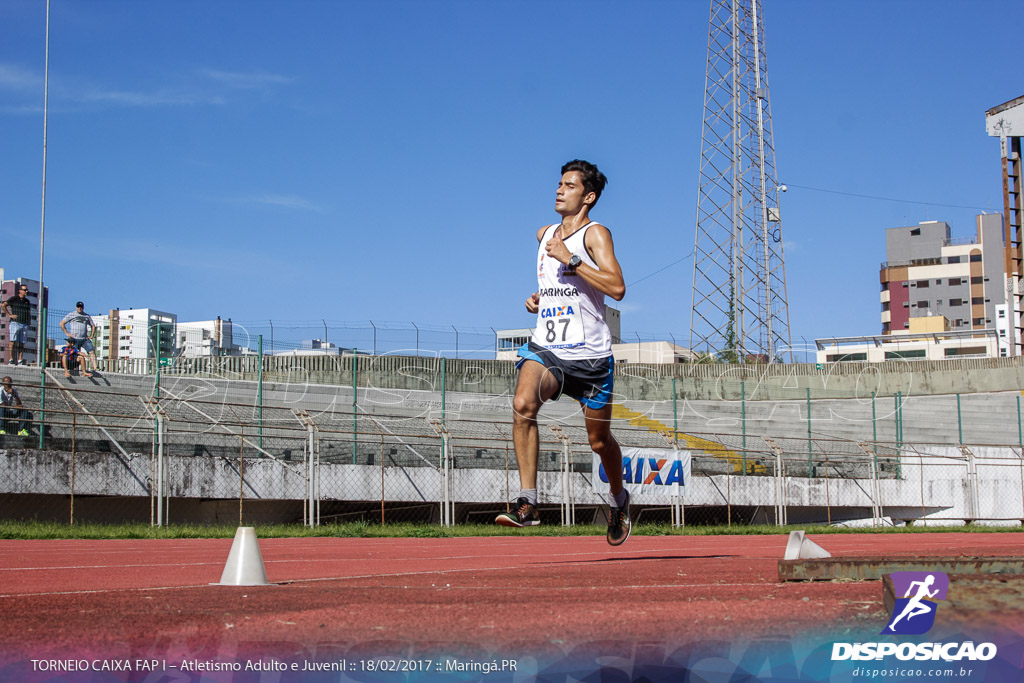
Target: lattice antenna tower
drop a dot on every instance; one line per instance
(739, 278)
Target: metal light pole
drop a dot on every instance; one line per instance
(41, 343)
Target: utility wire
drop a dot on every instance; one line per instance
(660, 269)
(886, 199)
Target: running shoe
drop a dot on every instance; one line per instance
(523, 513)
(619, 523)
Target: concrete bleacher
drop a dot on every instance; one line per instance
(210, 415)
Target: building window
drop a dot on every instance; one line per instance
(905, 284)
(977, 300)
(977, 280)
(922, 283)
(956, 302)
(916, 232)
(885, 305)
(923, 304)
(953, 259)
(979, 321)
(906, 304)
(938, 302)
(965, 351)
(955, 282)
(840, 357)
(885, 286)
(915, 353)
(975, 258)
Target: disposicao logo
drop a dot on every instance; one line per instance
(914, 613)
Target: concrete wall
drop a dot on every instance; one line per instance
(937, 482)
(634, 381)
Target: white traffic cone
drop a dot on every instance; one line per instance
(245, 562)
(801, 548)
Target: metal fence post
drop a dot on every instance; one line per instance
(896, 416)
(810, 444)
(310, 483)
(241, 478)
(355, 394)
(42, 373)
(959, 421)
(675, 415)
(159, 468)
(444, 382)
(74, 429)
(743, 422)
(259, 392)
(874, 424)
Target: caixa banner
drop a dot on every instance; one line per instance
(648, 470)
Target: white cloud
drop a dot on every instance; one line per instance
(14, 77)
(246, 81)
(159, 98)
(287, 201)
(22, 109)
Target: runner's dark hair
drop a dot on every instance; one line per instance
(593, 180)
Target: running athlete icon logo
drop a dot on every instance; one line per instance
(914, 613)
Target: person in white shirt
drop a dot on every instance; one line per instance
(570, 351)
(79, 329)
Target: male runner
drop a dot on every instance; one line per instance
(571, 349)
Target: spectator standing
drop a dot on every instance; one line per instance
(19, 310)
(79, 328)
(11, 409)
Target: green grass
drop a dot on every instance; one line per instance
(56, 530)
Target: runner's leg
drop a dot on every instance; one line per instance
(535, 385)
(602, 442)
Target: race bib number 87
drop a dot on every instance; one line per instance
(560, 324)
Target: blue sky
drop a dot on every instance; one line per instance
(392, 161)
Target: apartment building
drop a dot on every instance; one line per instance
(136, 333)
(928, 273)
(207, 338)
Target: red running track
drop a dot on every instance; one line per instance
(152, 597)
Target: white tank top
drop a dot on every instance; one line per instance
(570, 321)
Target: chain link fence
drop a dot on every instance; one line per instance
(172, 448)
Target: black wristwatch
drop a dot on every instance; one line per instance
(574, 262)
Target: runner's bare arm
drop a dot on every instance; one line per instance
(607, 277)
(533, 301)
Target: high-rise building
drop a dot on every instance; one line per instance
(135, 333)
(206, 338)
(9, 288)
(1006, 122)
(927, 272)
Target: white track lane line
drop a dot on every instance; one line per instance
(439, 572)
(548, 558)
